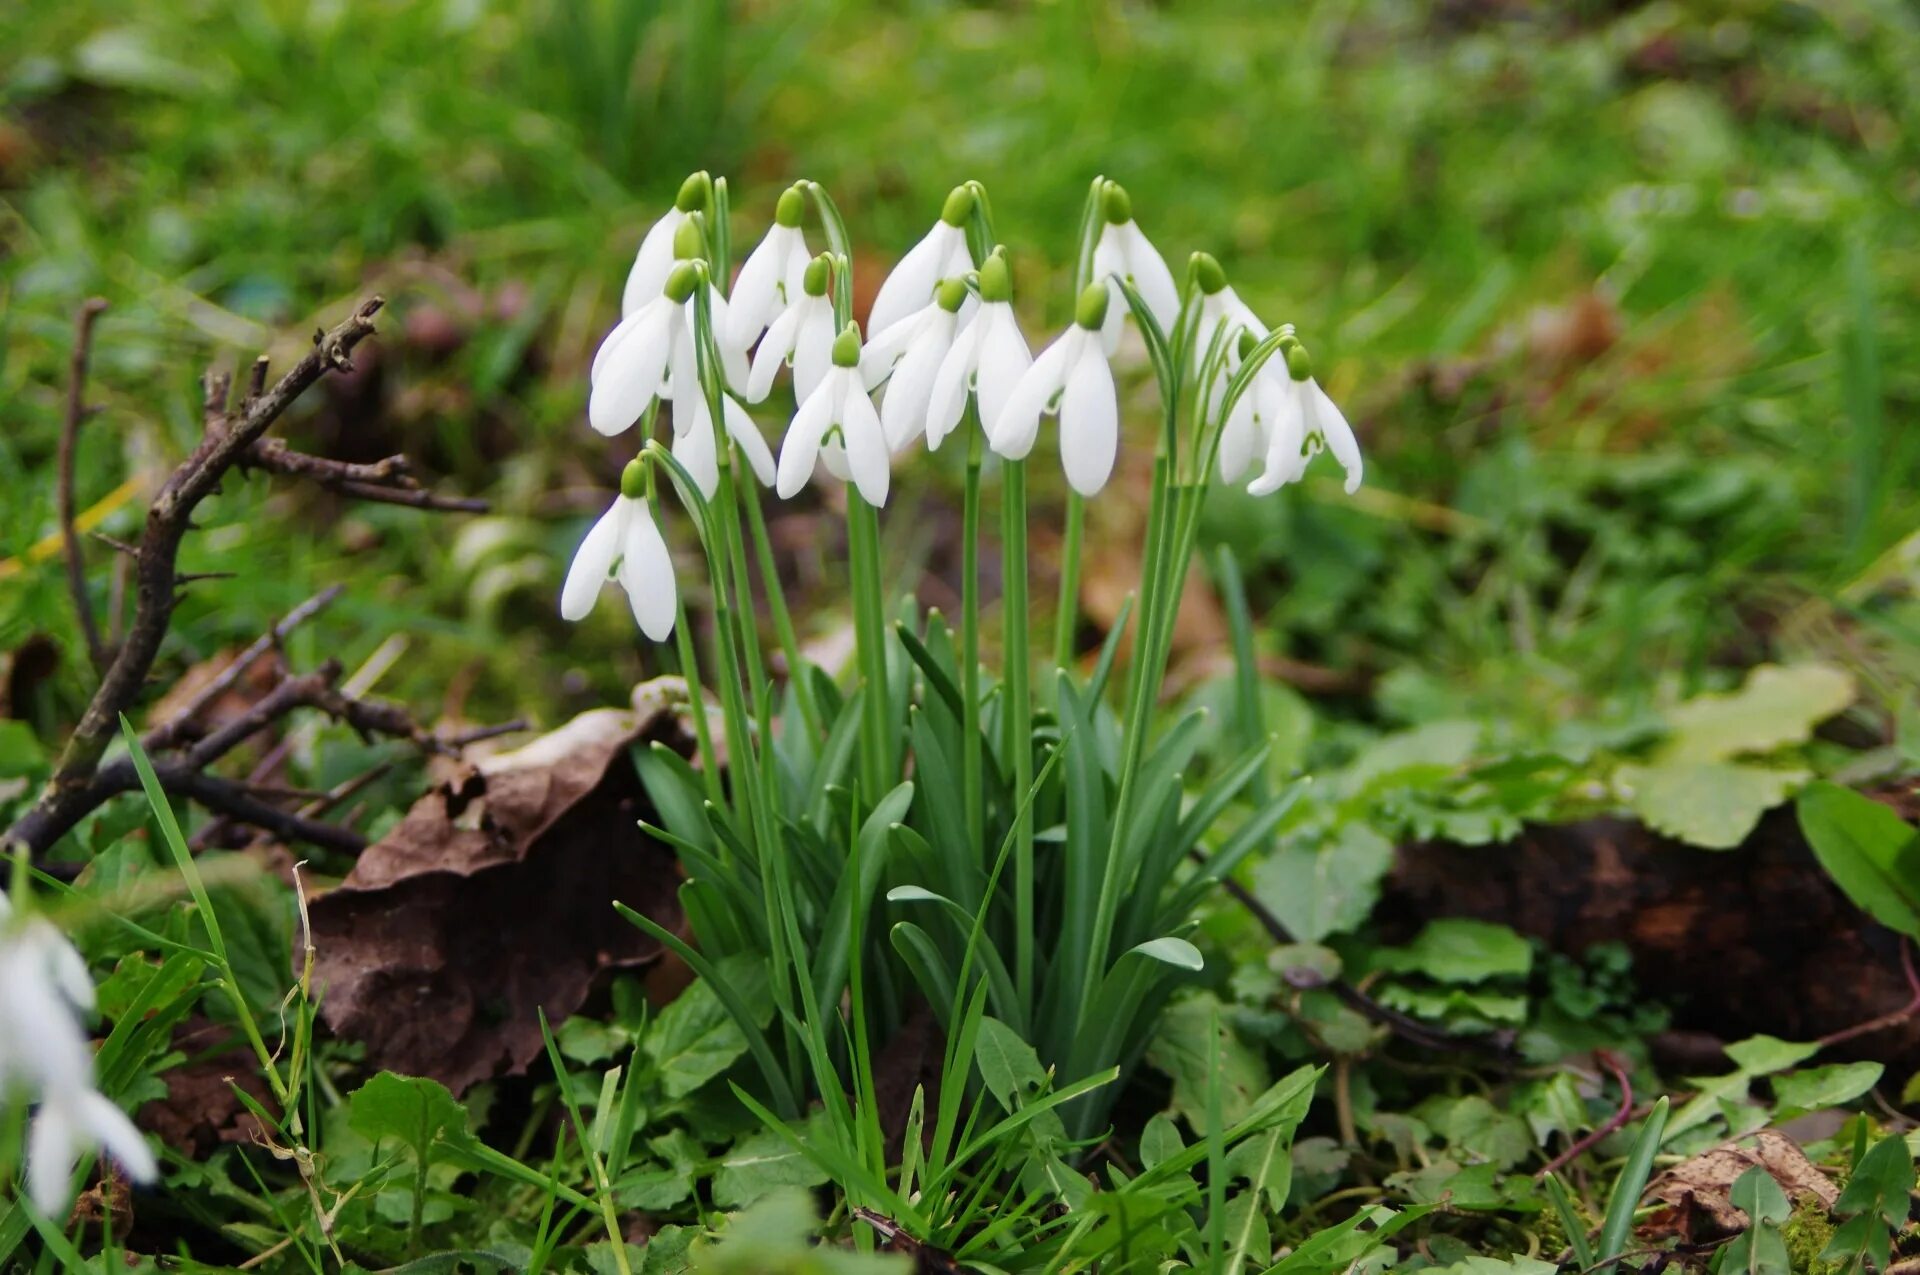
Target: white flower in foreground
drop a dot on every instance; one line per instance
(44, 1055)
(632, 367)
(908, 357)
(1072, 377)
(989, 357)
(1124, 253)
(801, 336)
(770, 280)
(654, 262)
(941, 254)
(626, 545)
(838, 406)
(697, 448)
(1302, 421)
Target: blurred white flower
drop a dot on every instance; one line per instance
(1071, 376)
(770, 281)
(1123, 252)
(654, 262)
(626, 545)
(45, 1057)
(1298, 419)
(801, 336)
(941, 254)
(838, 406)
(988, 357)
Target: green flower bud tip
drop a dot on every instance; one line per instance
(958, 208)
(1247, 342)
(996, 280)
(792, 208)
(846, 346)
(695, 193)
(951, 294)
(1299, 365)
(633, 480)
(1091, 312)
(682, 282)
(1208, 274)
(688, 241)
(819, 270)
(1115, 204)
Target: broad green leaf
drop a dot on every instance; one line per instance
(1763, 1055)
(1819, 1087)
(411, 1110)
(1318, 891)
(1871, 853)
(1711, 804)
(1159, 1140)
(1756, 1194)
(758, 1164)
(695, 1038)
(1777, 706)
(1881, 1183)
(1458, 950)
(1008, 1064)
(1181, 1049)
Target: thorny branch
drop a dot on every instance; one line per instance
(234, 438)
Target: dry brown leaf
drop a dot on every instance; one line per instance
(1697, 1191)
(493, 899)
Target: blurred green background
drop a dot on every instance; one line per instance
(1623, 300)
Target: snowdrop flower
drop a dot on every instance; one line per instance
(770, 281)
(633, 364)
(1221, 309)
(697, 448)
(44, 1053)
(1302, 420)
(838, 406)
(801, 336)
(1124, 253)
(989, 357)
(908, 356)
(625, 544)
(654, 262)
(1071, 376)
(942, 254)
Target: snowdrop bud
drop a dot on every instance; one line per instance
(819, 270)
(846, 347)
(951, 295)
(996, 280)
(1208, 274)
(1091, 312)
(688, 243)
(696, 192)
(682, 282)
(791, 210)
(958, 208)
(1299, 365)
(633, 480)
(1248, 341)
(1115, 204)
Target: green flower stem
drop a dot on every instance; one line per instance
(1067, 617)
(696, 694)
(869, 631)
(1019, 713)
(970, 759)
(797, 678)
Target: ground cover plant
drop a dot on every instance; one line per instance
(561, 715)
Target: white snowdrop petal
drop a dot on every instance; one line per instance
(631, 372)
(1325, 416)
(741, 428)
(52, 1151)
(801, 447)
(652, 264)
(911, 284)
(1017, 424)
(108, 1126)
(646, 572)
(1004, 358)
(904, 414)
(948, 397)
(879, 356)
(868, 458)
(1239, 439)
(813, 349)
(593, 562)
(774, 350)
(1286, 441)
(756, 290)
(1089, 422)
(694, 449)
(1150, 276)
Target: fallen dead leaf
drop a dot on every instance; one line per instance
(1696, 1191)
(201, 1110)
(492, 900)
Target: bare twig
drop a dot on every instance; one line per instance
(389, 481)
(171, 731)
(69, 438)
(1618, 1070)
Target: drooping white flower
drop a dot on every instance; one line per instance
(626, 545)
(1298, 420)
(941, 254)
(1221, 310)
(1122, 252)
(654, 262)
(989, 357)
(1071, 376)
(698, 450)
(45, 1057)
(770, 281)
(802, 336)
(908, 357)
(837, 424)
(655, 350)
